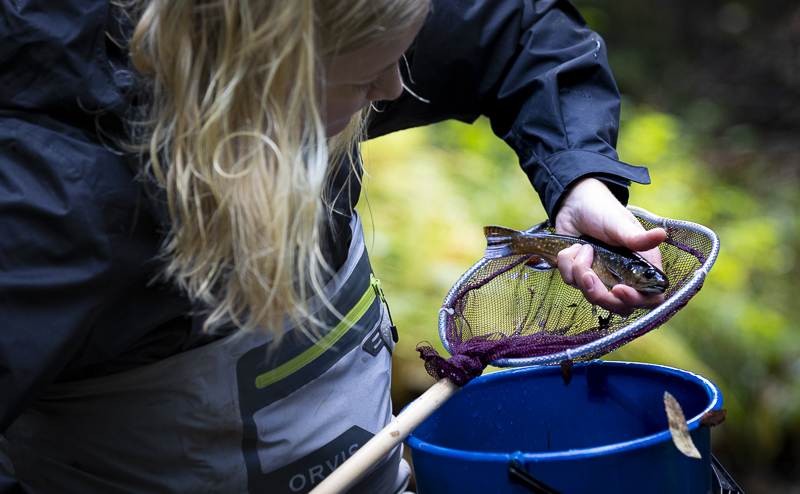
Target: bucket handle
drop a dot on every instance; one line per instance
(721, 481)
(517, 473)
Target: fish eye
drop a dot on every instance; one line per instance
(649, 273)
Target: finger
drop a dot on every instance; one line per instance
(582, 264)
(597, 294)
(575, 266)
(643, 240)
(566, 260)
(589, 283)
(631, 234)
(633, 298)
(653, 256)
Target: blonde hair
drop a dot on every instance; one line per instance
(235, 136)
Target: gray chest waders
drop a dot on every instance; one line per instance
(234, 416)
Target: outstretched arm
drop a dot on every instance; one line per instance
(542, 77)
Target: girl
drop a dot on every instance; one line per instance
(186, 301)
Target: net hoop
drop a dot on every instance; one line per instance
(671, 304)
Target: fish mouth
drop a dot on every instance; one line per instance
(652, 290)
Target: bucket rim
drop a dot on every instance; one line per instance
(715, 402)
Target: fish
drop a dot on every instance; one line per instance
(613, 265)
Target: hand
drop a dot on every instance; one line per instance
(589, 208)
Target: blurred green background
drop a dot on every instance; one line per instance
(711, 105)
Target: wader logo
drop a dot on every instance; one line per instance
(305, 473)
(374, 343)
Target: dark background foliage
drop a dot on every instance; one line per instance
(711, 105)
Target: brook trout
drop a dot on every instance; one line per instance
(613, 265)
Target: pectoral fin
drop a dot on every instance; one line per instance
(611, 278)
(539, 263)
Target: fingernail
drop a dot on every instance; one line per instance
(588, 282)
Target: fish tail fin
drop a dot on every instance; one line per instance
(499, 241)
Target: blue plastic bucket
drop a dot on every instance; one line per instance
(606, 432)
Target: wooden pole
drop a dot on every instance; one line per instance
(387, 439)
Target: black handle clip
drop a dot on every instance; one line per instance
(518, 474)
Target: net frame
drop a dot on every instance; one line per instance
(651, 320)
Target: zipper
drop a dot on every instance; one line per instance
(376, 285)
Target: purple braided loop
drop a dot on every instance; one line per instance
(459, 369)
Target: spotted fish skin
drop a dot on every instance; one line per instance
(613, 265)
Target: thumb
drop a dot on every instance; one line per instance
(636, 238)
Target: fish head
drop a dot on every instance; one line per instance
(644, 277)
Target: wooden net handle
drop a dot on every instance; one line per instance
(387, 439)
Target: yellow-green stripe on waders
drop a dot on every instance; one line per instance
(352, 317)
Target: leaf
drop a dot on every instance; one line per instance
(678, 427)
(567, 367)
(713, 417)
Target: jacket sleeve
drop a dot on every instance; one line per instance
(540, 75)
(54, 260)
(53, 265)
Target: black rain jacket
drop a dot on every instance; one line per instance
(79, 237)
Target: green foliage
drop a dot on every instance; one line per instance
(432, 190)
(741, 329)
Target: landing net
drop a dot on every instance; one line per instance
(503, 313)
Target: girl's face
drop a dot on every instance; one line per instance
(355, 79)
